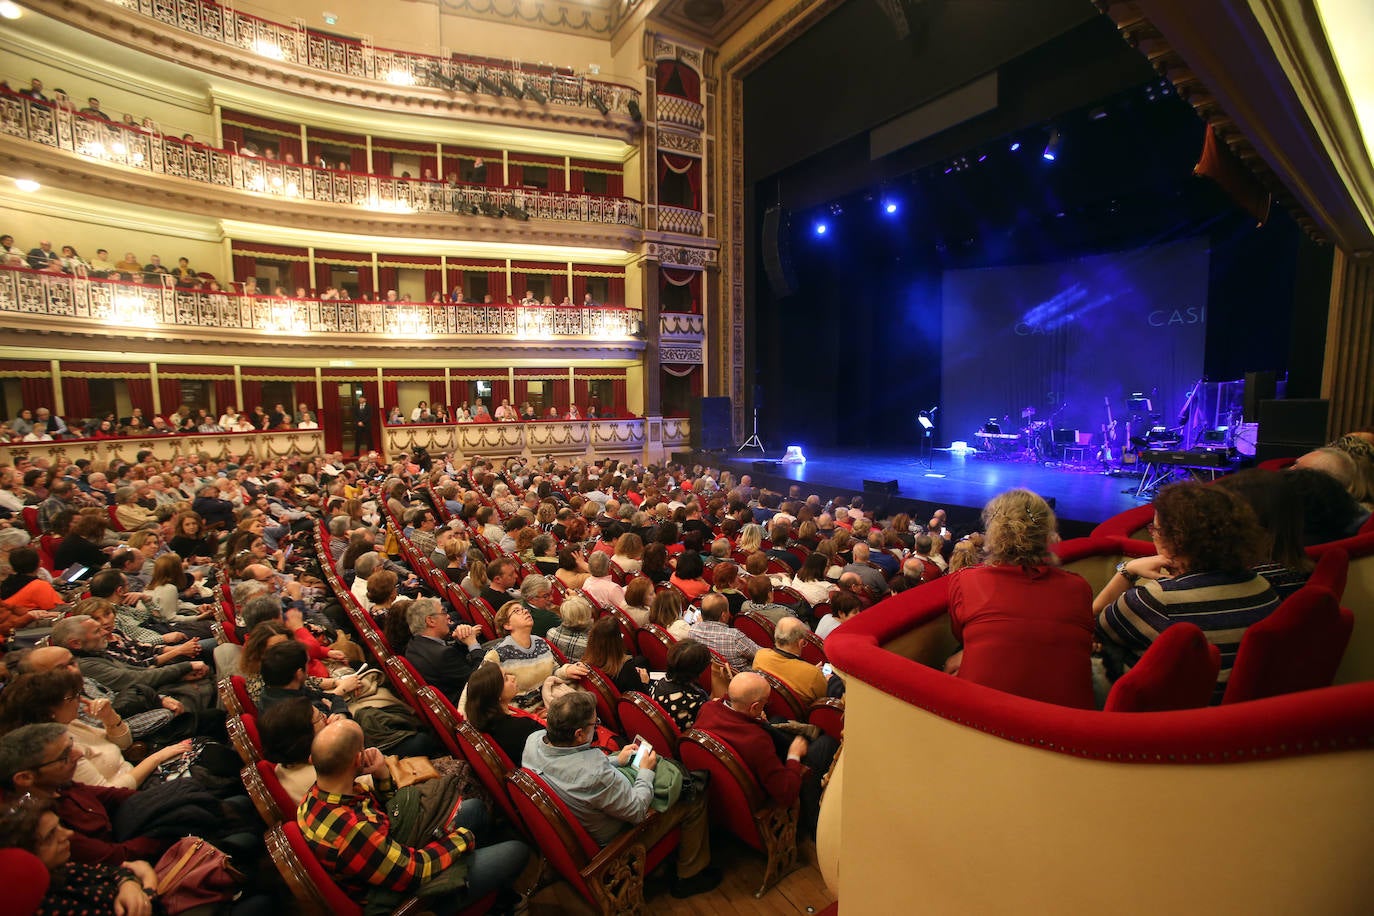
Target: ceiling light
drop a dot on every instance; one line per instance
(10, 9)
(27, 185)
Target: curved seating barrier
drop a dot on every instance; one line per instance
(1007, 805)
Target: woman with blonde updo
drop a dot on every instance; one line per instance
(1026, 625)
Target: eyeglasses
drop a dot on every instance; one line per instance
(61, 758)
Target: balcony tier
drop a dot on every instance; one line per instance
(209, 37)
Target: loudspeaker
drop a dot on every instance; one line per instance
(1290, 427)
(715, 424)
(885, 487)
(777, 253)
(1259, 386)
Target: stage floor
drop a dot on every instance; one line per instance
(1083, 495)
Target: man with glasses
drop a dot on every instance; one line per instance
(41, 760)
(444, 655)
(604, 801)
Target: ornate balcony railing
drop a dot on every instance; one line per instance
(679, 219)
(625, 436)
(138, 305)
(676, 110)
(681, 324)
(220, 446)
(354, 59)
(121, 144)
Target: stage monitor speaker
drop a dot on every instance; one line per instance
(885, 487)
(1064, 436)
(1290, 427)
(715, 424)
(777, 252)
(1259, 386)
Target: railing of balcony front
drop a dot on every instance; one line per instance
(679, 219)
(347, 57)
(678, 110)
(133, 147)
(117, 304)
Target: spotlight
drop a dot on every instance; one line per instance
(821, 228)
(890, 207)
(515, 212)
(10, 10)
(983, 158)
(600, 103)
(511, 89)
(487, 85)
(467, 84)
(27, 185)
(533, 92)
(634, 110)
(1051, 152)
(1015, 145)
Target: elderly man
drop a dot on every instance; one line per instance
(784, 662)
(599, 585)
(851, 583)
(185, 681)
(46, 419)
(348, 829)
(774, 757)
(714, 631)
(872, 579)
(603, 800)
(444, 655)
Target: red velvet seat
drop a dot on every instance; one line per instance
(268, 795)
(491, 766)
(30, 514)
(485, 617)
(610, 879)
(783, 700)
(607, 696)
(640, 714)
(112, 512)
(1333, 567)
(654, 642)
(1178, 671)
(627, 628)
(1126, 524)
(812, 648)
(233, 696)
(740, 803)
(243, 735)
(756, 626)
(827, 714)
(1298, 647)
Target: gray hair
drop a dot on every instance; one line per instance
(599, 563)
(534, 587)
(367, 564)
(419, 612)
(245, 591)
(68, 629)
(24, 748)
(789, 631)
(568, 713)
(125, 495)
(264, 607)
(576, 612)
(14, 537)
(338, 526)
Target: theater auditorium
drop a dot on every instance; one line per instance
(582, 456)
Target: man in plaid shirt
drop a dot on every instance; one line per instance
(714, 631)
(349, 832)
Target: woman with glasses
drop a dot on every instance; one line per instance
(55, 696)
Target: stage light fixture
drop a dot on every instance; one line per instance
(533, 92)
(1015, 145)
(488, 85)
(635, 113)
(600, 104)
(821, 228)
(467, 84)
(511, 89)
(890, 207)
(1051, 152)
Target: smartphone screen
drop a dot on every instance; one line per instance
(642, 751)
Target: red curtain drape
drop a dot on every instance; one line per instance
(500, 391)
(141, 394)
(434, 283)
(521, 393)
(245, 267)
(619, 407)
(577, 181)
(560, 395)
(386, 280)
(365, 285)
(357, 159)
(615, 185)
(233, 137)
(455, 281)
(36, 393)
(391, 394)
(305, 394)
(252, 395)
(675, 78)
(370, 389)
(682, 165)
(496, 285)
(225, 394)
(581, 395)
(169, 391)
(76, 398)
(323, 273)
(615, 291)
(300, 277)
(381, 162)
(430, 164)
(515, 174)
(559, 288)
(438, 393)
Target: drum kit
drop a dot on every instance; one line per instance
(1032, 442)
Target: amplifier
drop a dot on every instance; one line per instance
(1203, 458)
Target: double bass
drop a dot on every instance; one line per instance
(1104, 452)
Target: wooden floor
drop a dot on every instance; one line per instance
(801, 892)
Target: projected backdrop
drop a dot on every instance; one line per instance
(1062, 337)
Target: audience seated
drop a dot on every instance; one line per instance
(489, 709)
(784, 662)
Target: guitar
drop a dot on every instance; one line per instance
(1108, 432)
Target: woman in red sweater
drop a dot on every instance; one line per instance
(1026, 625)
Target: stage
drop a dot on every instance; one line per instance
(959, 483)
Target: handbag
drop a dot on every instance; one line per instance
(409, 771)
(193, 873)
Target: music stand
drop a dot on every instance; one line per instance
(924, 458)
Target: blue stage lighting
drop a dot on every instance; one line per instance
(821, 228)
(1051, 152)
(1015, 145)
(890, 207)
